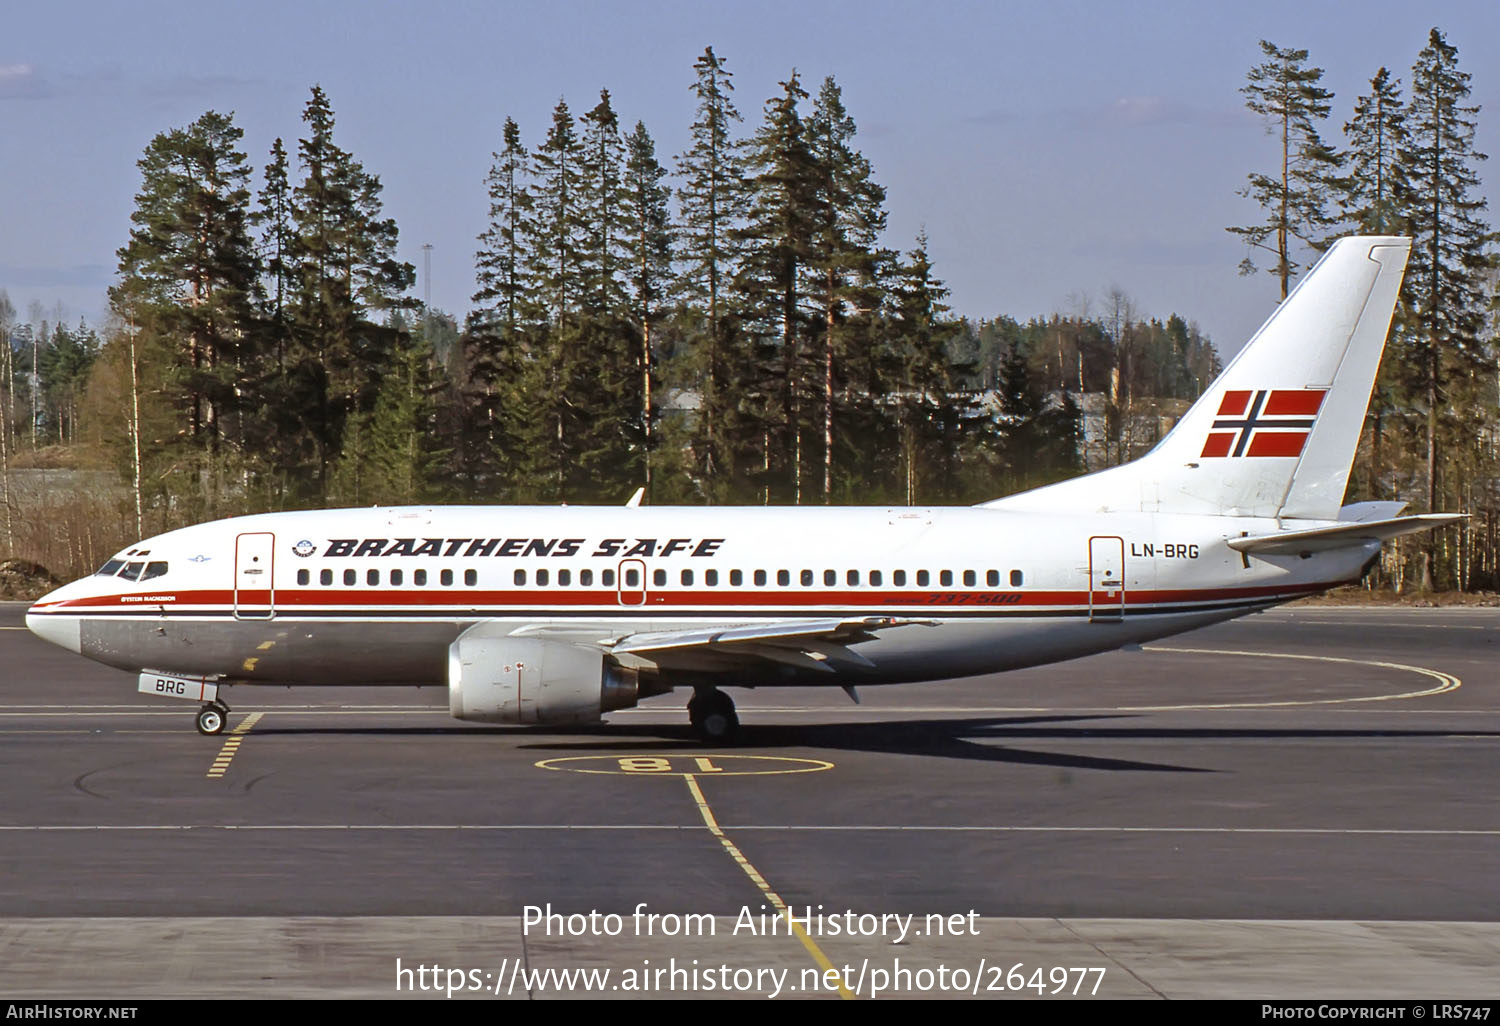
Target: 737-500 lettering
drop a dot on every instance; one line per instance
(1168, 550)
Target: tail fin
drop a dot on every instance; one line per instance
(1275, 435)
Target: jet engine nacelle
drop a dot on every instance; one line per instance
(524, 680)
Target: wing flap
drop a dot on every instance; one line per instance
(806, 644)
(840, 631)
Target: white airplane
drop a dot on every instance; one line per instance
(560, 614)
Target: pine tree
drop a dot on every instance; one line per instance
(506, 323)
(775, 251)
(1371, 197)
(1443, 359)
(348, 283)
(930, 422)
(1286, 93)
(7, 415)
(502, 297)
(557, 245)
(277, 247)
(711, 201)
(405, 454)
(63, 371)
(602, 208)
(646, 233)
(1039, 440)
(558, 239)
(188, 275)
(849, 216)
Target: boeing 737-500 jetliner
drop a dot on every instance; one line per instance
(561, 614)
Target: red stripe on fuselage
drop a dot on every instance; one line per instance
(289, 601)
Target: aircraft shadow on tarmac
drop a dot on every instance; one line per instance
(981, 739)
(978, 739)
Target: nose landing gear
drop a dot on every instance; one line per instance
(213, 718)
(711, 712)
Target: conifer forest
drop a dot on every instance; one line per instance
(731, 324)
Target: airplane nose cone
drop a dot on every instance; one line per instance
(57, 627)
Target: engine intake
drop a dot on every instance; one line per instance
(524, 680)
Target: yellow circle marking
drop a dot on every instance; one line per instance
(1446, 681)
(679, 765)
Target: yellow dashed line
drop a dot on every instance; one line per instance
(754, 874)
(232, 745)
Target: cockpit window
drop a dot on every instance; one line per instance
(154, 570)
(111, 568)
(132, 571)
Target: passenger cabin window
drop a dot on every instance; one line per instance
(586, 577)
(760, 578)
(807, 578)
(710, 578)
(852, 578)
(304, 577)
(970, 579)
(992, 578)
(372, 577)
(471, 577)
(541, 578)
(659, 578)
(325, 577)
(111, 568)
(350, 577)
(397, 577)
(519, 577)
(446, 578)
(607, 578)
(564, 578)
(830, 578)
(945, 578)
(1015, 578)
(736, 578)
(419, 578)
(687, 578)
(632, 578)
(875, 578)
(922, 578)
(898, 578)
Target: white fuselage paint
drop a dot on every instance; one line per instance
(1002, 588)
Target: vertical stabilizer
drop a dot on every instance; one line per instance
(1275, 435)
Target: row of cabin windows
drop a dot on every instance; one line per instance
(397, 577)
(632, 578)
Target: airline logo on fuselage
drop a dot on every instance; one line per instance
(610, 548)
(1267, 422)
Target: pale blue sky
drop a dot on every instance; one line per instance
(1050, 149)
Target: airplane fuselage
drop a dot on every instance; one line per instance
(376, 596)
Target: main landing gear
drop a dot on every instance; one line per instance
(213, 717)
(712, 715)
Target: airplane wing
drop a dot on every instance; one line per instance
(1320, 539)
(821, 645)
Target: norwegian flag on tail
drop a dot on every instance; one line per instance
(1267, 422)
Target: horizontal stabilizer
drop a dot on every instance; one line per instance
(1321, 539)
